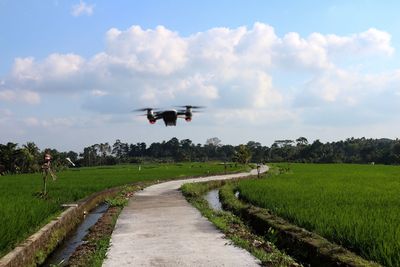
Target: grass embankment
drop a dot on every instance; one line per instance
(22, 212)
(356, 206)
(234, 228)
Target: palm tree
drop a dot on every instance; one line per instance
(31, 155)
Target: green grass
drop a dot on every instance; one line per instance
(357, 206)
(233, 227)
(22, 212)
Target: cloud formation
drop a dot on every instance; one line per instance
(21, 96)
(239, 71)
(82, 9)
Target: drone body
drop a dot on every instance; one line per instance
(169, 116)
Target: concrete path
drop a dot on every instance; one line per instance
(159, 227)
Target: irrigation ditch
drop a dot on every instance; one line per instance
(67, 240)
(204, 196)
(64, 251)
(270, 238)
(38, 247)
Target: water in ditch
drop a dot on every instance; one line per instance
(61, 255)
(212, 198)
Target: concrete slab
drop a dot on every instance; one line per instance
(159, 227)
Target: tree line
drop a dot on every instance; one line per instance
(29, 158)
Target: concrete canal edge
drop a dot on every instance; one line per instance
(37, 247)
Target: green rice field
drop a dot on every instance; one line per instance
(357, 206)
(22, 212)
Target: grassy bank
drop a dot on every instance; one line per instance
(233, 227)
(356, 206)
(22, 212)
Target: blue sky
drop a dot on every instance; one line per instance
(71, 71)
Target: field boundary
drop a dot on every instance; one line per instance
(302, 244)
(37, 247)
(34, 250)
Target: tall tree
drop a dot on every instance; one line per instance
(105, 150)
(120, 150)
(213, 141)
(301, 141)
(242, 155)
(31, 154)
(8, 156)
(89, 156)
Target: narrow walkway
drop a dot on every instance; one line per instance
(159, 227)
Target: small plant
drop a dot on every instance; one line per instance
(117, 201)
(271, 235)
(60, 264)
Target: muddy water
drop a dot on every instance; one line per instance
(212, 198)
(61, 255)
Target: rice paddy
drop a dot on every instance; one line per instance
(356, 206)
(22, 212)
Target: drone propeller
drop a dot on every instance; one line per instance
(193, 111)
(144, 109)
(189, 106)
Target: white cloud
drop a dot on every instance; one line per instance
(24, 69)
(30, 97)
(51, 123)
(31, 121)
(158, 51)
(22, 96)
(54, 67)
(5, 112)
(7, 95)
(349, 88)
(58, 65)
(372, 41)
(5, 115)
(58, 122)
(199, 86)
(349, 99)
(256, 45)
(234, 69)
(82, 9)
(253, 116)
(296, 52)
(98, 93)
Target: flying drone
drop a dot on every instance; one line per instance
(170, 116)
